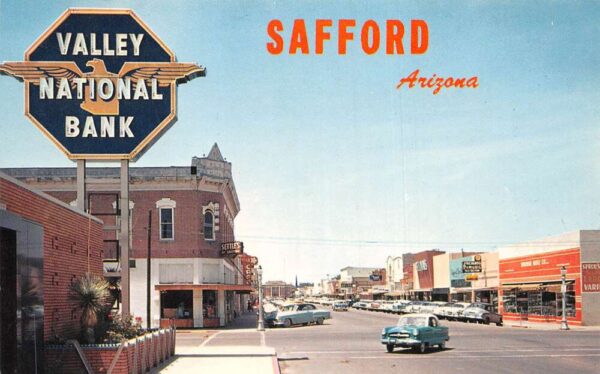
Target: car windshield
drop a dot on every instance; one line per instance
(414, 321)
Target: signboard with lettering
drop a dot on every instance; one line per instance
(421, 265)
(471, 267)
(100, 84)
(232, 249)
(590, 277)
(471, 277)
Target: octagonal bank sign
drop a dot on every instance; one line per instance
(100, 84)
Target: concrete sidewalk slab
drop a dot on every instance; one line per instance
(548, 326)
(219, 359)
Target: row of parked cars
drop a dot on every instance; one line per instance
(454, 311)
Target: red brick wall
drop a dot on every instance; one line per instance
(65, 253)
(189, 221)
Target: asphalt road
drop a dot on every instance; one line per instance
(349, 343)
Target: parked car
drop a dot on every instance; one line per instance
(455, 311)
(359, 305)
(443, 310)
(400, 306)
(414, 306)
(304, 314)
(340, 306)
(416, 331)
(386, 306)
(482, 312)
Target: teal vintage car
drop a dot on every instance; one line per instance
(416, 331)
(300, 314)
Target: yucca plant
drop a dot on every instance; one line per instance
(91, 294)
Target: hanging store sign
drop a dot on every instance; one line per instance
(590, 277)
(232, 249)
(471, 267)
(100, 84)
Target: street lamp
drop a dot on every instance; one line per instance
(261, 316)
(563, 276)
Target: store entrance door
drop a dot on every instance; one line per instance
(8, 301)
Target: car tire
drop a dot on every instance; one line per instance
(390, 348)
(287, 322)
(486, 320)
(499, 324)
(442, 346)
(320, 321)
(422, 348)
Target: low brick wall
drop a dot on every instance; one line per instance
(135, 356)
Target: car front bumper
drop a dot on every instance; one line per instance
(402, 342)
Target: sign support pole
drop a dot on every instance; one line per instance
(81, 186)
(124, 238)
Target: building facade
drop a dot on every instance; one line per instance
(278, 289)
(530, 279)
(45, 245)
(423, 276)
(191, 211)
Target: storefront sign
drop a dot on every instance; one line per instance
(471, 277)
(232, 248)
(471, 267)
(590, 277)
(421, 265)
(100, 84)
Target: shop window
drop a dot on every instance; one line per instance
(209, 304)
(177, 305)
(209, 222)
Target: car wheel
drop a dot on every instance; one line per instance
(390, 348)
(499, 324)
(442, 346)
(287, 323)
(422, 348)
(320, 321)
(486, 320)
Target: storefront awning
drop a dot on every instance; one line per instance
(240, 288)
(395, 293)
(534, 285)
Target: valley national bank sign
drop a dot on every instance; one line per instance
(100, 84)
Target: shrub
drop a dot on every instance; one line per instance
(123, 328)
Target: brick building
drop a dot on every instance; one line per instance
(193, 210)
(45, 245)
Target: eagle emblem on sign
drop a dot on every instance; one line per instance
(100, 84)
(66, 74)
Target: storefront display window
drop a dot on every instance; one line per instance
(545, 301)
(177, 306)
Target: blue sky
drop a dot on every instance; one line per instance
(336, 167)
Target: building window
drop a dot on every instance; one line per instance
(209, 223)
(166, 224)
(166, 217)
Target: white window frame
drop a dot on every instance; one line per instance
(165, 204)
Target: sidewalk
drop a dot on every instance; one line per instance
(212, 353)
(547, 326)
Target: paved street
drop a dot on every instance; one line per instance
(349, 343)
